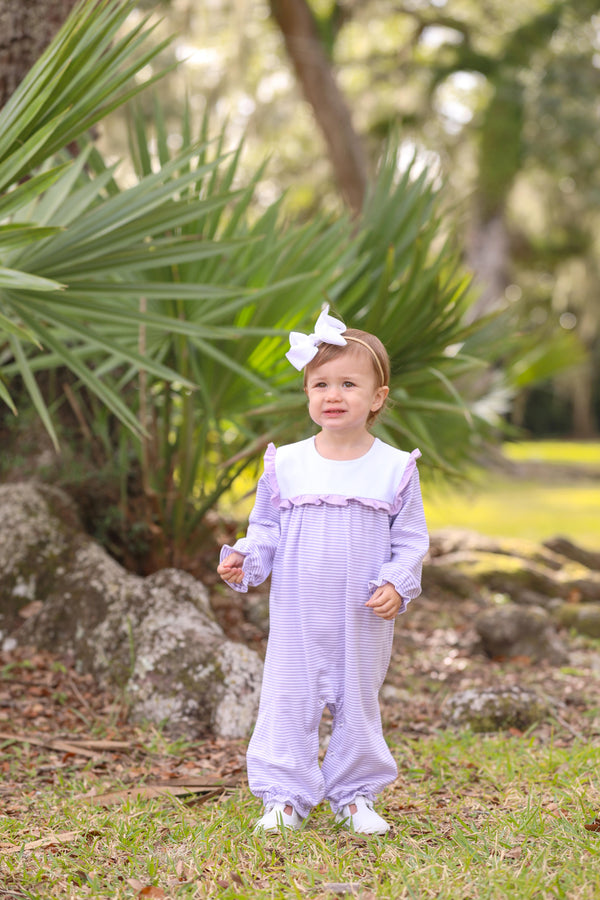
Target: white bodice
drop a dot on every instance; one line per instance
(301, 471)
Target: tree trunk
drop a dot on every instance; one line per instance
(26, 29)
(488, 256)
(582, 391)
(320, 88)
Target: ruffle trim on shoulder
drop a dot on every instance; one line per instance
(411, 465)
(271, 475)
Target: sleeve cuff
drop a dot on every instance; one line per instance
(226, 549)
(379, 582)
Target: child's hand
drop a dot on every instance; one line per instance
(231, 569)
(385, 602)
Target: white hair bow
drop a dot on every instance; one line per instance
(303, 347)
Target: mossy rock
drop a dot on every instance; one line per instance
(154, 637)
(513, 630)
(583, 617)
(39, 533)
(495, 709)
(510, 566)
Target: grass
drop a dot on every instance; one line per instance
(475, 817)
(536, 508)
(572, 453)
(523, 509)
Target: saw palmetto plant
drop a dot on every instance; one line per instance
(167, 300)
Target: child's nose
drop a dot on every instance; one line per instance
(333, 391)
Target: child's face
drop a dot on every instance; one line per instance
(342, 392)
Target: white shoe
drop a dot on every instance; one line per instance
(275, 818)
(365, 820)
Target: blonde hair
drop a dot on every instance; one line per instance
(361, 342)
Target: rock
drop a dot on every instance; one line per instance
(452, 540)
(257, 610)
(464, 563)
(34, 543)
(585, 588)
(513, 630)
(447, 541)
(494, 709)
(393, 696)
(583, 617)
(567, 548)
(155, 637)
(449, 580)
(510, 574)
(533, 598)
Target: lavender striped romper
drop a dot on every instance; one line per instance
(330, 532)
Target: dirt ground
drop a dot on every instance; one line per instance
(56, 722)
(437, 654)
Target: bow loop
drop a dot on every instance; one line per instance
(303, 347)
(328, 330)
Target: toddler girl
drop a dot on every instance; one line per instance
(338, 522)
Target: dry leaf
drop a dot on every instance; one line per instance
(152, 891)
(7, 847)
(593, 826)
(51, 841)
(341, 887)
(32, 609)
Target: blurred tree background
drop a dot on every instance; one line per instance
(499, 98)
(370, 153)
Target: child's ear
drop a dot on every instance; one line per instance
(380, 397)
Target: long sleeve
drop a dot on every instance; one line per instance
(261, 539)
(409, 544)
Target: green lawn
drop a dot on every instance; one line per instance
(567, 452)
(532, 508)
(475, 818)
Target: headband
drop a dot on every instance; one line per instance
(328, 330)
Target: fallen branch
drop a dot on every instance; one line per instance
(76, 746)
(175, 787)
